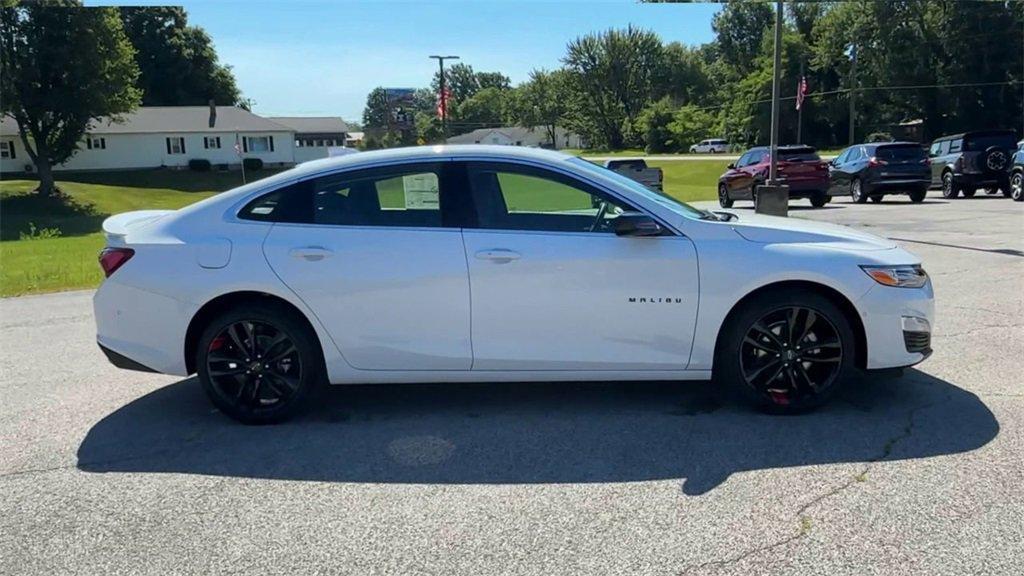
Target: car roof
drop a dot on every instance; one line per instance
(431, 153)
(897, 143)
(784, 147)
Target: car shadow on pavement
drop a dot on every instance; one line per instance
(537, 433)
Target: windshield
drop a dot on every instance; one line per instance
(900, 153)
(660, 197)
(980, 142)
(798, 154)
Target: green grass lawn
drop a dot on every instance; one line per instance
(61, 252)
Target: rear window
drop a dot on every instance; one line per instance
(798, 154)
(899, 153)
(979, 142)
(630, 164)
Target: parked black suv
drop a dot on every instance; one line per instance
(875, 169)
(1017, 174)
(962, 163)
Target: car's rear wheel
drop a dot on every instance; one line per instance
(969, 192)
(1017, 186)
(877, 199)
(259, 363)
(786, 352)
(723, 196)
(819, 199)
(918, 196)
(949, 188)
(857, 191)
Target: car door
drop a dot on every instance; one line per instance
(837, 182)
(737, 178)
(752, 174)
(554, 288)
(937, 161)
(380, 262)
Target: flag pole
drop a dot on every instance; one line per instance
(238, 149)
(800, 106)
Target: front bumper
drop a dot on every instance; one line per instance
(898, 324)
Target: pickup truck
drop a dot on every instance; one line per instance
(636, 168)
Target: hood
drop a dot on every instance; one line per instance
(776, 230)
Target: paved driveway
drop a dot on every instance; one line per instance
(109, 472)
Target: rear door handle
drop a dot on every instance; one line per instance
(499, 255)
(310, 253)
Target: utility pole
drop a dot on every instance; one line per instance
(853, 88)
(442, 97)
(776, 80)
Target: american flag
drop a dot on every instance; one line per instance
(443, 98)
(801, 92)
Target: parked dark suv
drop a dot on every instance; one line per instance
(799, 166)
(962, 163)
(873, 170)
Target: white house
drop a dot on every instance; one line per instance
(519, 136)
(314, 135)
(166, 136)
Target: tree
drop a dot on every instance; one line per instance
(375, 114)
(654, 123)
(544, 100)
(740, 28)
(177, 63)
(614, 73)
(64, 67)
(485, 108)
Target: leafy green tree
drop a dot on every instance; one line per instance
(654, 123)
(177, 63)
(614, 74)
(544, 100)
(375, 114)
(691, 124)
(740, 28)
(483, 109)
(64, 67)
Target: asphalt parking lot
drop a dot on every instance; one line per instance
(110, 472)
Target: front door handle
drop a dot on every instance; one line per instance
(310, 253)
(499, 255)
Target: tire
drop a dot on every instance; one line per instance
(1006, 188)
(878, 199)
(723, 196)
(991, 190)
(969, 192)
(950, 190)
(819, 199)
(857, 192)
(918, 196)
(1017, 186)
(229, 373)
(744, 352)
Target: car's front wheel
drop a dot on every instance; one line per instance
(259, 363)
(723, 196)
(786, 351)
(1017, 186)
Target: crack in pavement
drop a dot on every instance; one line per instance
(805, 521)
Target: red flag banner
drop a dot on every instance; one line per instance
(801, 92)
(443, 98)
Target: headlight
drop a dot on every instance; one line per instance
(898, 276)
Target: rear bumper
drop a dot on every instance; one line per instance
(979, 180)
(898, 183)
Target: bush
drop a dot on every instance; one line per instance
(252, 164)
(653, 123)
(690, 125)
(199, 165)
(880, 137)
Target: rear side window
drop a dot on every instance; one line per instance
(900, 153)
(955, 145)
(289, 204)
(400, 196)
(799, 154)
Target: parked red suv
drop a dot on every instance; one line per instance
(800, 167)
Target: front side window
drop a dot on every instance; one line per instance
(510, 197)
(743, 161)
(843, 157)
(401, 197)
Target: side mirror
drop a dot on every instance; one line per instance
(636, 224)
(731, 166)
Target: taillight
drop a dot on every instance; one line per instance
(113, 258)
(874, 161)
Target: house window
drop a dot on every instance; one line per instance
(211, 142)
(175, 145)
(258, 144)
(298, 143)
(95, 143)
(7, 149)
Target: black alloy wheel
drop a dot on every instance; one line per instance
(790, 355)
(259, 364)
(786, 351)
(723, 196)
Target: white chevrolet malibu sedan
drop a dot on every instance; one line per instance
(479, 263)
